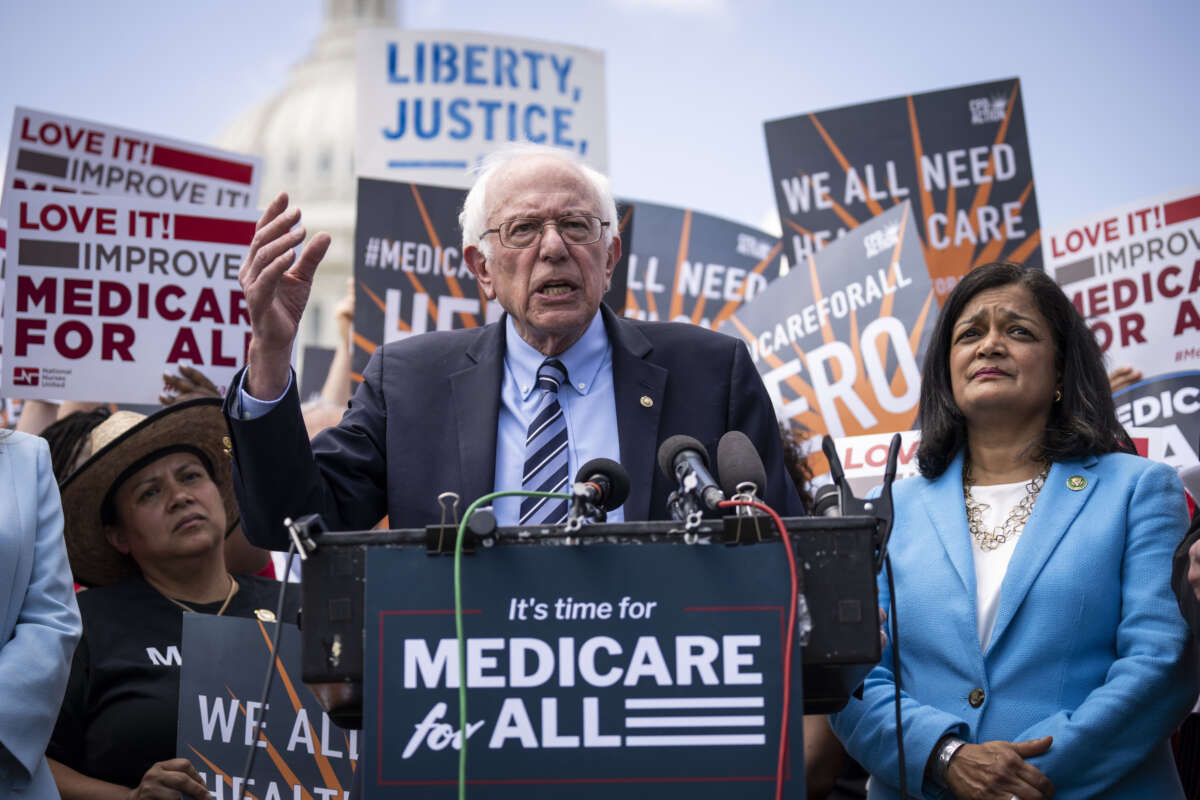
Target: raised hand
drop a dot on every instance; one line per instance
(998, 770)
(276, 292)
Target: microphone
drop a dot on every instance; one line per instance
(602, 483)
(685, 460)
(738, 463)
(825, 501)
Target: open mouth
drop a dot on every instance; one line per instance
(555, 288)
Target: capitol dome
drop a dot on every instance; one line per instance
(305, 136)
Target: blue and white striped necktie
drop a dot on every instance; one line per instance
(546, 451)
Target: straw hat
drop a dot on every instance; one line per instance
(124, 440)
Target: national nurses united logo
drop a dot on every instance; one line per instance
(25, 376)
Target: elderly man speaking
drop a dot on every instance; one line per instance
(520, 403)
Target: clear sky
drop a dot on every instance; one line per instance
(1109, 88)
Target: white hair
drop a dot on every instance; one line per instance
(473, 217)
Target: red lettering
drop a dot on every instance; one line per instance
(115, 340)
(1131, 329)
(53, 217)
(219, 359)
(114, 299)
(1164, 288)
(39, 294)
(23, 220)
(1103, 334)
(1098, 299)
(848, 460)
(1071, 248)
(160, 303)
(1125, 292)
(876, 455)
(239, 313)
(1111, 233)
(207, 307)
(1195, 282)
(185, 348)
(77, 296)
(26, 331)
(63, 346)
(1188, 317)
(25, 135)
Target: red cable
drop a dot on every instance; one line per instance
(789, 639)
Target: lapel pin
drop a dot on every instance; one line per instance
(1076, 483)
(647, 401)
(227, 445)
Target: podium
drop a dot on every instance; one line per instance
(624, 659)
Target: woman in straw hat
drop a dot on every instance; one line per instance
(39, 622)
(146, 517)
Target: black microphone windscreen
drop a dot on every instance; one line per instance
(675, 445)
(738, 462)
(613, 473)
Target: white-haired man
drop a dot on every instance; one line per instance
(521, 403)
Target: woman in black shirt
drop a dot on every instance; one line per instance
(146, 519)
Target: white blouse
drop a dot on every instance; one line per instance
(990, 565)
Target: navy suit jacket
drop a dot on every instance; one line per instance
(424, 422)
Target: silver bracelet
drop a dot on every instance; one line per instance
(946, 750)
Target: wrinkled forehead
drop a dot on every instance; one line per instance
(539, 185)
(1009, 300)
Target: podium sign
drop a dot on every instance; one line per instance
(645, 670)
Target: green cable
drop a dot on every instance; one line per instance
(458, 625)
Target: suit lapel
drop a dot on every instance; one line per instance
(638, 389)
(943, 502)
(1053, 512)
(476, 394)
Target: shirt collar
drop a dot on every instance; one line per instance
(583, 359)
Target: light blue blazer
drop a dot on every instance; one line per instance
(39, 621)
(1088, 644)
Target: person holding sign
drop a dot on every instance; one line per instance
(450, 410)
(39, 621)
(1043, 654)
(146, 519)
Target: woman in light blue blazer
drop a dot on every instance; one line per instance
(39, 621)
(1041, 650)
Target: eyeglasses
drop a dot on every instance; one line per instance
(525, 232)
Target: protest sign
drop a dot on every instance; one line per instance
(839, 340)
(959, 155)
(60, 153)
(409, 272)
(1134, 274)
(1171, 404)
(410, 275)
(431, 104)
(685, 266)
(104, 295)
(864, 458)
(303, 755)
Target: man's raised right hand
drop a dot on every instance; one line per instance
(276, 292)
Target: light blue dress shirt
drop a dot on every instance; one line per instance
(588, 403)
